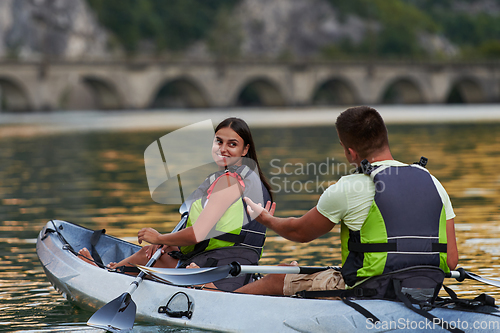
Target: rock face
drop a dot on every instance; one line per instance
(477, 6)
(299, 27)
(269, 29)
(32, 29)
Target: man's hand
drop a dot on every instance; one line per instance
(256, 211)
(149, 235)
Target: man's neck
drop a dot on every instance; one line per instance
(382, 155)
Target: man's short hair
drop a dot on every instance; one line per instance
(362, 129)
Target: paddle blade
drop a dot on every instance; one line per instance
(476, 277)
(187, 277)
(116, 316)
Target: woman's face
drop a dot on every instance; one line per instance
(228, 148)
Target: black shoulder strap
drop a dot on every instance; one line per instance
(344, 294)
(241, 170)
(370, 316)
(93, 242)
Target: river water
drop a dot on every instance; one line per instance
(96, 178)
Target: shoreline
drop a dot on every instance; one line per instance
(30, 124)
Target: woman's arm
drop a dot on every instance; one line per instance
(183, 237)
(226, 191)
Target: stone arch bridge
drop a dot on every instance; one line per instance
(34, 86)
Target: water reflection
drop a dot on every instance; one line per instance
(98, 180)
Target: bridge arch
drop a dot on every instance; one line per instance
(402, 91)
(334, 91)
(260, 92)
(91, 93)
(465, 90)
(13, 95)
(180, 92)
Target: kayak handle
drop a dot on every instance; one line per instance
(236, 269)
(460, 274)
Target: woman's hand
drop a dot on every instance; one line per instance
(151, 249)
(149, 235)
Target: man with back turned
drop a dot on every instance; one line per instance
(392, 215)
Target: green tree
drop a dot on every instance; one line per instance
(225, 37)
(172, 24)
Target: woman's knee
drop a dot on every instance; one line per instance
(143, 251)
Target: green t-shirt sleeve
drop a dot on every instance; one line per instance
(333, 203)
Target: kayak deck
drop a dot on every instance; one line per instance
(92, 287)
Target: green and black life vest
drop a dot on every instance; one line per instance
(405, 227)
(235, 227)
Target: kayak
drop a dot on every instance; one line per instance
(92, 287)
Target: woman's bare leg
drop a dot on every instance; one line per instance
(271, 284)
(210, 285)
(86, 256)
(141, 257)
(138, 258)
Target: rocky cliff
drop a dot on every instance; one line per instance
(32, 29)
(269, 29)
(295, 27)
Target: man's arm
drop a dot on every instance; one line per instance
(298, 229)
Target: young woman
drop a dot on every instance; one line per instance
(218, 230)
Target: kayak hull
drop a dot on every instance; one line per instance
(91, 288)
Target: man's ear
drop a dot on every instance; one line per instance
(353, 154)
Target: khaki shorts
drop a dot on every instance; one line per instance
(325, 280)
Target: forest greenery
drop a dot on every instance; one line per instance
(168, 24)
(476, 35)
(174, 25)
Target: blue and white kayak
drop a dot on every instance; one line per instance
(91, 287)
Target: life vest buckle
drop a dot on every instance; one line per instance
(365, 167)
(426, 306)
(358, 292)
(423, 162)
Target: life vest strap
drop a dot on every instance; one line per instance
(440, 247)
(96, 235)
(372, 247)
(232, 238)
(389, 247)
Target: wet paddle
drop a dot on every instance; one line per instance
(188, 277)
(461, 274)
(119, 314)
